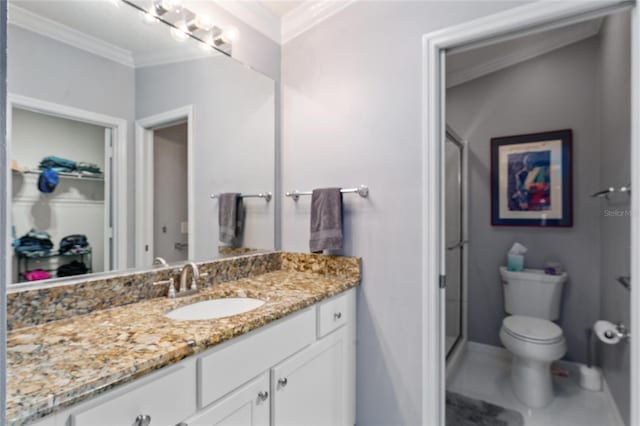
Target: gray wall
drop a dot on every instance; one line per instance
(233, 133)
(550, 92)
(352, 115)
(264, 55)
(615, 171)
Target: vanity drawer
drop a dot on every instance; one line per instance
(245, 357)
(166, 396)
(336, 312)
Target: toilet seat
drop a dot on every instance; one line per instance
(533, 330)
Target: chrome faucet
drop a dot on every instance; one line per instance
(159, 261)
(195, 274)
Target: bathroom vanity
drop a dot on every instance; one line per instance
(290, 361)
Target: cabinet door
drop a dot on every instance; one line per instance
(247, 406)
(166, 396)
(309, 388)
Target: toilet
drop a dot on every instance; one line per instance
(532, 300)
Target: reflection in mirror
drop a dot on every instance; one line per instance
(131, 139)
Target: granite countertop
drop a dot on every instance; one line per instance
(60, 363)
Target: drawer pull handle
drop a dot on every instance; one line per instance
(283, 382)
(337, 316)
(263, 395)
(143, 420)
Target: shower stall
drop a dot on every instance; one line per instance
(456, 239)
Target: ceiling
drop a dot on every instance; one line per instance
(281, 7)
(474, 63)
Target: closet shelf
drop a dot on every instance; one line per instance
(65, 175)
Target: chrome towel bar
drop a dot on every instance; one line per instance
(266, 195)
(362, 191)
(611, 190)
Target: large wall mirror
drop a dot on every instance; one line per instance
(130, 139)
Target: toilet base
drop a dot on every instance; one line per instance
(531, 382)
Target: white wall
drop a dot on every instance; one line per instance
(36, 136)
(550, 92)
(76, 206)
(170, 192)
(615, 170)
(352, 115)
(234, 139)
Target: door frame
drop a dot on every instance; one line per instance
(145, 128)
(115, 182)
(531, 18)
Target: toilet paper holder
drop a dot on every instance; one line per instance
(621, 331)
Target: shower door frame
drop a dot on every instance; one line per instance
(527, 19)
(452, 355)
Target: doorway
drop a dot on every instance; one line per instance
(91, 188)
(164, 177)
(170, 209)
(522, 20)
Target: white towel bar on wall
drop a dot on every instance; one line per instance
(362, 191)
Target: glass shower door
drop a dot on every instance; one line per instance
(454, 239)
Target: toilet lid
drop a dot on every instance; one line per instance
(532, 329)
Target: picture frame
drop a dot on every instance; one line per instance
(531, 179)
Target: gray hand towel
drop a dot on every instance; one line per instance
(230, 218)
(326, 220)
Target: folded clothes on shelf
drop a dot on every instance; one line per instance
(73, 268)
(33, 241)
(37, 274)
(73, 243)
(58, 164)
(83, 166)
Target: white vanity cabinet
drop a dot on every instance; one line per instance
(309, 388)
(248, 406)
(299, 370)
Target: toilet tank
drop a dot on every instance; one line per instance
(532, 293)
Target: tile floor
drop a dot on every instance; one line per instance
(483, 373)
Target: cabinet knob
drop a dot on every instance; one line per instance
(283, 382)
(263, 395)
(143, 420)
(337, 316)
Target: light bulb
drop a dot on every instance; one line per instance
(230, 34)
(203, 22)
(173, 5)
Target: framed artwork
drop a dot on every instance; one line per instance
(531, 180)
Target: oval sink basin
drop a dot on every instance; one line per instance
(215, 308)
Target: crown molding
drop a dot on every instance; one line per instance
(38, 24)
(254, 14)
(537, 49)
(308, 15)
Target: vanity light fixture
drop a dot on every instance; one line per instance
(199, 23)
(186, 24)
(230, 34)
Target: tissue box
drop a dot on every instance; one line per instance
(515, 262)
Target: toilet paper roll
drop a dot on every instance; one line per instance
(607, 332)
